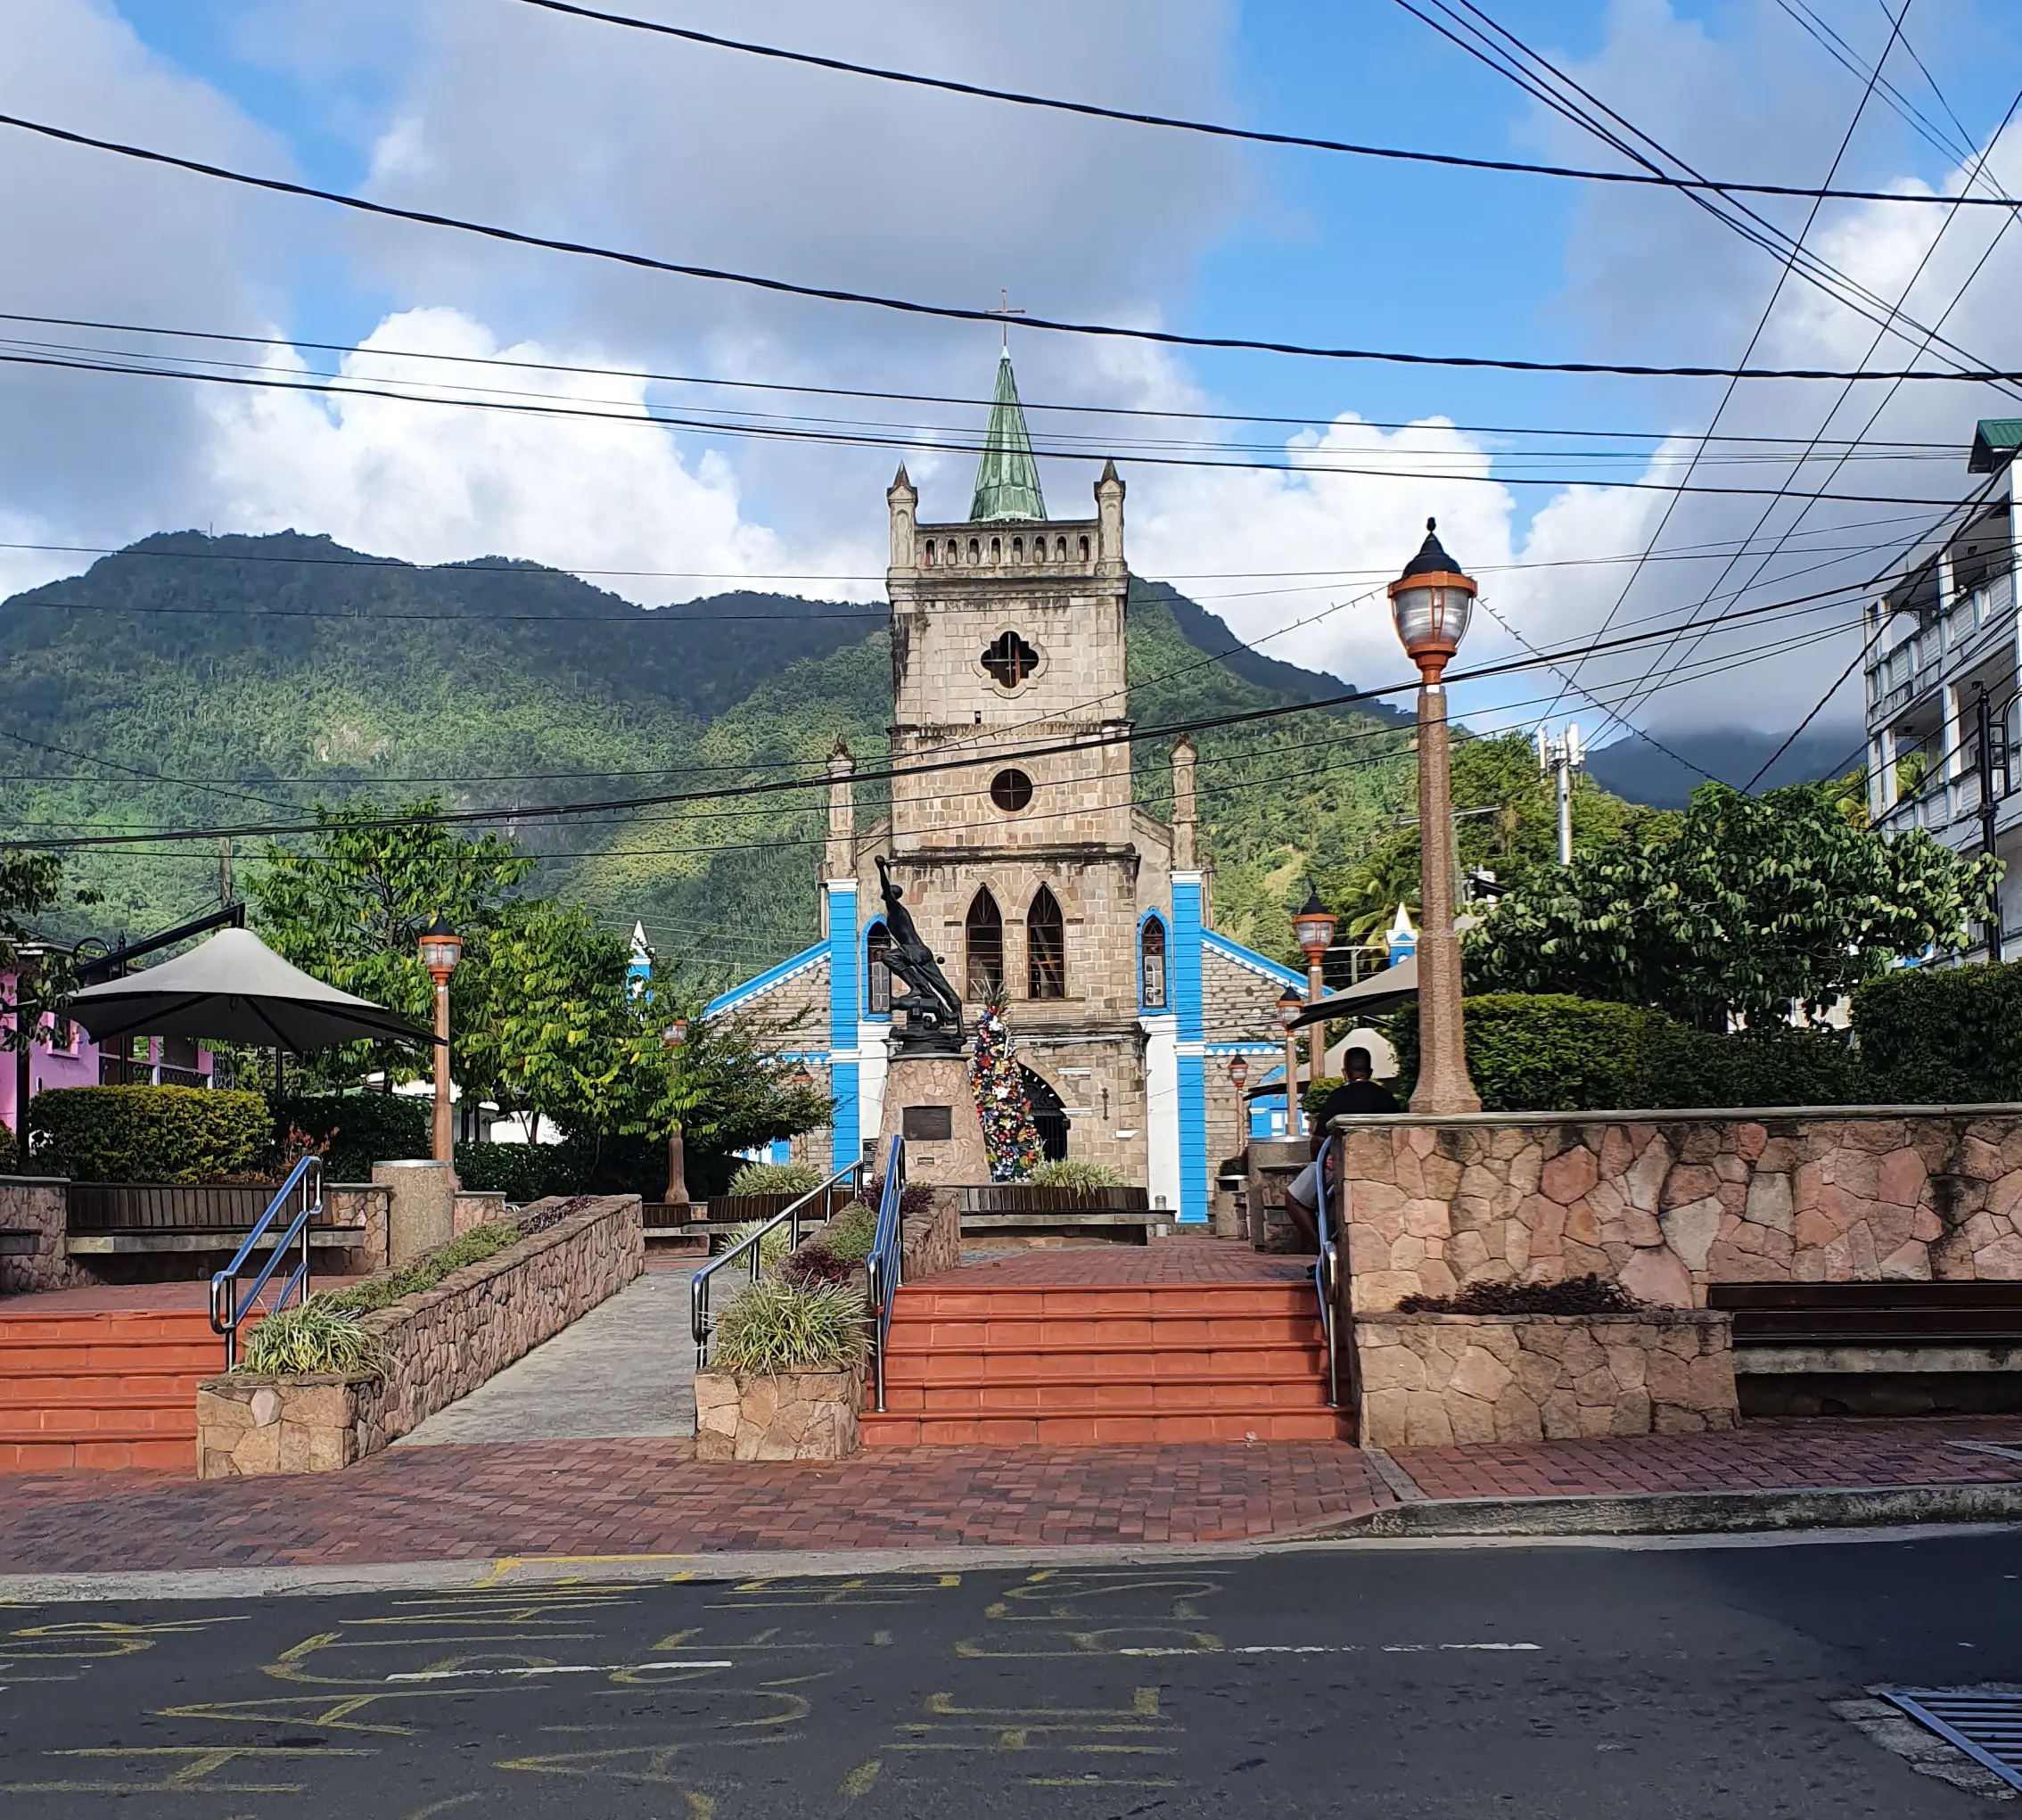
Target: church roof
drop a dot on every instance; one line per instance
(1007, 483)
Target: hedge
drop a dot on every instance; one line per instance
(7, 1151)
(171, 1134)
(1943, 1035)
(361, 1129)
(522, 1173)
(1551, 1052)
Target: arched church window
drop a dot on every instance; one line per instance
(1045, 947)
(996, 551)
(1084, 550)
(1151, 965)
(1010, 660)
(976, 552)
(929, 562)
(877, 976)
(1060, 550)
(1017, 550)
(1038, 549)
(984, 937)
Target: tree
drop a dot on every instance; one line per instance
(1757, 905)
(351, 908)
(30, 885)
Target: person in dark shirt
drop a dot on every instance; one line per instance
(1358, 1093)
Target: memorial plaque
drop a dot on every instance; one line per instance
(927, 1123)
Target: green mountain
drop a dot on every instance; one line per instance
(197, 683)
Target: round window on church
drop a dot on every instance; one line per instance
(1011, 791)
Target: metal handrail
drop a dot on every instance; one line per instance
(886, 1265)
(1327, 1275)
(228, 1308)
(750, 1247)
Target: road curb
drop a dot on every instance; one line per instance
(1685, 1513)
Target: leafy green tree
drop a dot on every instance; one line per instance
(349, 908)
(1757, 904)
(31, 884)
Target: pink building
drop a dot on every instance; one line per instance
(71, 1058)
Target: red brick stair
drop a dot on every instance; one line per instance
(1109, 1364)
(109, 1388)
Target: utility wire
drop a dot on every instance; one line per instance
(955, 312)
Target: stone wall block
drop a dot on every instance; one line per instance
(1690, 1229)
(1642, 1182)
(1526, 1168)
(1569, 1175)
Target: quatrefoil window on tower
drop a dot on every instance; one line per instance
(1010, 660)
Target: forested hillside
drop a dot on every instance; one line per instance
(192, 682)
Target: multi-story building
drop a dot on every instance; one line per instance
(1944, 633)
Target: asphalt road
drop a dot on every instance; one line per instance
(1555, 1683)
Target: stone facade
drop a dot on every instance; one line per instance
(438, 1345)
(784, 1415)
(1438, 1380)
(32, 1212)
(1665, 1203)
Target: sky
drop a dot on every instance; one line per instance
(503, 112)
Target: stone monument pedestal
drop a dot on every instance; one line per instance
(421, 1214)
(928, 1102)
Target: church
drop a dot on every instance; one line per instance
(1024, 859)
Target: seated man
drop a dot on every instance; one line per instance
(1357, 1093)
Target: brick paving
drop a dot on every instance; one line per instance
(1760, 1456)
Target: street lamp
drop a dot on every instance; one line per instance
(1431, 602)
(1289, 1005)
(1314, 928)
(1239, 1078)
(441, 948)
(671, 1039)
(801, 1078)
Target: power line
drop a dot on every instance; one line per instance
(825, 293)
(1214, 129)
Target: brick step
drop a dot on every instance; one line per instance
(1051, 1398)
(204, 1355)
(1169, 1333)
(1103, 1364)
(31, 1389)
(117, 1327)
(1167, 1426)
(88, 1415)
(1038, 1302)
(103, 1453)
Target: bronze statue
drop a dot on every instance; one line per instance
(934, 1013)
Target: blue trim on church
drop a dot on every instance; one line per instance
(1249, 958)
(846, 1142)
(1184, 967)
(761, 982)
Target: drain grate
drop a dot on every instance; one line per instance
(1985, 1722)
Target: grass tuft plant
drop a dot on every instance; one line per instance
(849, 1235)
(1082, 1178)
(776, 1178)
(774, 1327)
(472, 1246)
(313, 1336)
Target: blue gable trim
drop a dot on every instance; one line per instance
(1249, 958)
(764, 982)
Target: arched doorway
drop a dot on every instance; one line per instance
(1049, 1116)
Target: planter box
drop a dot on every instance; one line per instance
(1438, 1380)
(782, 1415)
(439, 1345)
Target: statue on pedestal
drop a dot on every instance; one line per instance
(934, 1013)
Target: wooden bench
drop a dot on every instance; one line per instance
(1891, 1348)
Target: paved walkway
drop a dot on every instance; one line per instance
(651, 1495)
(627, 1368)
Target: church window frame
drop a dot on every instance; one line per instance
(1010, 660)
(1045, 947)
(1017, 551)
(1155, 964)
(1060, 550)
(1084, 550)
(1011, 790)
(975, 553)
(983, 947)
(877, 976)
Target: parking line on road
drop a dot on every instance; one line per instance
(1330, 1649)
(552, 1668)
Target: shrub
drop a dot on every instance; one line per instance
(8, 1151)
(1313, 1097)
(814, 1266)
(172, 1134)
(1082, 1177)
(851, 1234)
(472, 1246)
(318, 1335)
(1586, 1295)
(358, 1129)
(1549, 1052)
(776, 1178)
(771, 1248)
(775, 1327)
(522, 1173)
(1942, 1035)
(917, 1198)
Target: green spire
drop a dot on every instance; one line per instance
(1007, 478)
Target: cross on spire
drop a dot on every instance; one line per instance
(1004, 312)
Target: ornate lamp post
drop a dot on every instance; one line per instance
(1431, 602)
(441, 948)
(1239, 1078)
(1289, 1005)
(1314, 928)
(671, 1039)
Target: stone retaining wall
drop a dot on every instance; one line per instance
(1666, 1203)
(778, 1415)
(1437, 1380)
(439, 1346)
(32, 1215)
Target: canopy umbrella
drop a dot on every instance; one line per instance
(237, 988)
(1380, 992)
